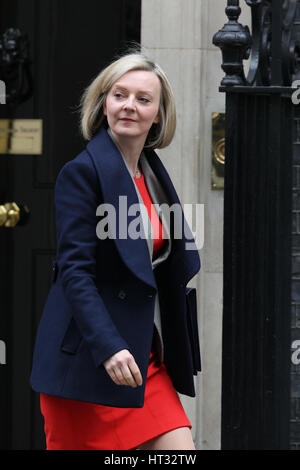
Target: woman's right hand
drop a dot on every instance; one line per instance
(122, 369)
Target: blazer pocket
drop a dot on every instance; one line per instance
(192, 322)
(72, 338)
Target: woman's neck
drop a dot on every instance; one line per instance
(131, 149)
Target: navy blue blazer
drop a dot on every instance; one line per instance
(103, 291)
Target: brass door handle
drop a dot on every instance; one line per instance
(12, 214)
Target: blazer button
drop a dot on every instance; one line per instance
(54, 271)
(122, 294)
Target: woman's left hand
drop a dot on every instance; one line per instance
(122, 369)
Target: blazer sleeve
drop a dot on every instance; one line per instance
(77, 194)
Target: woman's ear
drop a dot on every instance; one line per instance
(157, 118)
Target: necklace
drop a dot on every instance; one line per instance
(137, 173)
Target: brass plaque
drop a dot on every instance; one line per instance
(218, 150)
(21, 136)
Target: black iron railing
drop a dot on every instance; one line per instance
(273, 46)
(261, 301)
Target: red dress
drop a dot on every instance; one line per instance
(76, 425)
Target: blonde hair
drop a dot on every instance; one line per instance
(94, 96)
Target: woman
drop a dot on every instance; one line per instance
(118, 335)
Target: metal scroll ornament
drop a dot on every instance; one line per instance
(237, 44)
(15, 66)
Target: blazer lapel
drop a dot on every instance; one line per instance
(159, 197)
(137, 253)
(187, 259)
(115, 181)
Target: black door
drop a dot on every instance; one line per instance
(69, 42)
